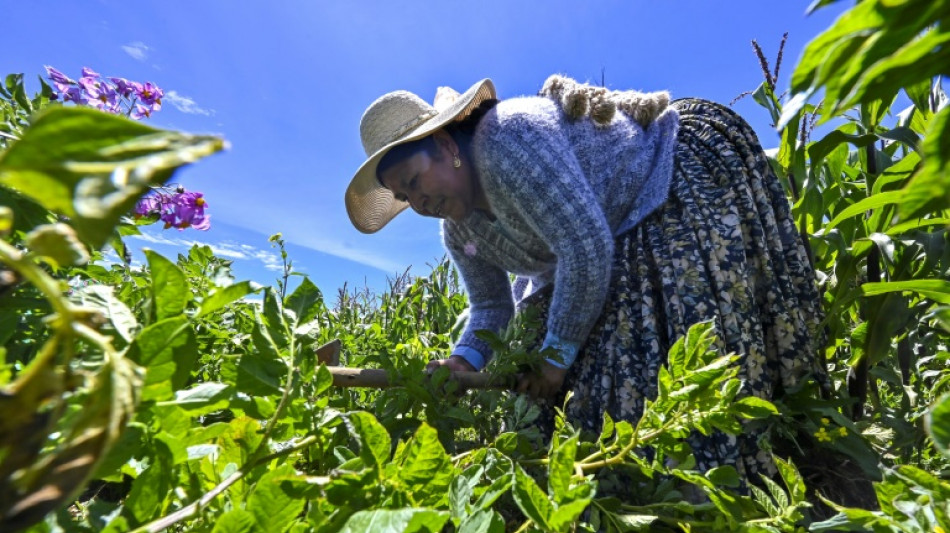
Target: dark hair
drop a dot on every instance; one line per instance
(460, 130)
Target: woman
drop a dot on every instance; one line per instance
(630, 233)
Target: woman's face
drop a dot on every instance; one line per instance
(432, 185)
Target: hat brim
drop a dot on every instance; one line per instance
(371, 206)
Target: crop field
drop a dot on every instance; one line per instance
(174, 397)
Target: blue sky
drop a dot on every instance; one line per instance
(285, 82)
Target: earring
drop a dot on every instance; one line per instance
(457, 162)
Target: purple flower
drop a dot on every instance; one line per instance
(190, 210)
(97, 93)
(72, 94)
(470, 249)
(150, 95)
(57, 76)
(113, 95)
(179, 209)
(60, 80)
(126, 87)
(141, 112)
(148, 206)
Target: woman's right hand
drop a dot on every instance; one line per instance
(454, 363)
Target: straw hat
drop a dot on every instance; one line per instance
(396, 118)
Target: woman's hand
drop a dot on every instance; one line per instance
(454, 364)
(544, 384)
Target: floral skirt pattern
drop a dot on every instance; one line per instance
(722, 247)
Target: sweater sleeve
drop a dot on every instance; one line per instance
(527, 159)
(490, 301)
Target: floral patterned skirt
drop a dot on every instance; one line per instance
(722, 247)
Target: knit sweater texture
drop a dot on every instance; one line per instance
(560, 191)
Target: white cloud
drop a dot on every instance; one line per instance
(271, 260)
(391, 258)
(345, 251)
(231, 250)
(138, 50)
(186, 104)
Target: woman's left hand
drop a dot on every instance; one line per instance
(544, 384)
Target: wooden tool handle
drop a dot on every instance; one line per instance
(378, 379)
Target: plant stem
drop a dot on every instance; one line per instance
(586, 466)
(190, 510)
(282, 406)
(34, 274)
(524, 527)
(461, 456)
(533, 462)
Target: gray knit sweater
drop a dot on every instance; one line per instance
(560, 192)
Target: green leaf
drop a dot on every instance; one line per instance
(178, 451)
(259, 407)
(102, 297)
(167, 349)
(777, 493)
(929, 190)
(264, 343)
(92, 166)
(902, 135)
(152, 486)
(887, 316)
(259, 373)
(935, 289)
(607, 428)
(753, 407)
(938, 424)
(676, 360)
(724, 476)
(273, 318)
(568, 514)
(764, 96)
(484, 521)
(871, 202)
(561, 469)
(919, 94)
(424, 467)
(409, 520)
(853, 519)
(235, 521)
(821, 148)
(323, 380)
(203, 398)
(531, 499)
(632, 522)
(898, 172)
(128, 446)
(765, 501)
(306, 301)
(792, 478)
(170, 289)
(272, 507)
(498, 487)
(462, 488)
(375, 443)
(225, 296)
(918, 59)
(19, 94)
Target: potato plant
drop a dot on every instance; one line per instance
(173, 397)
